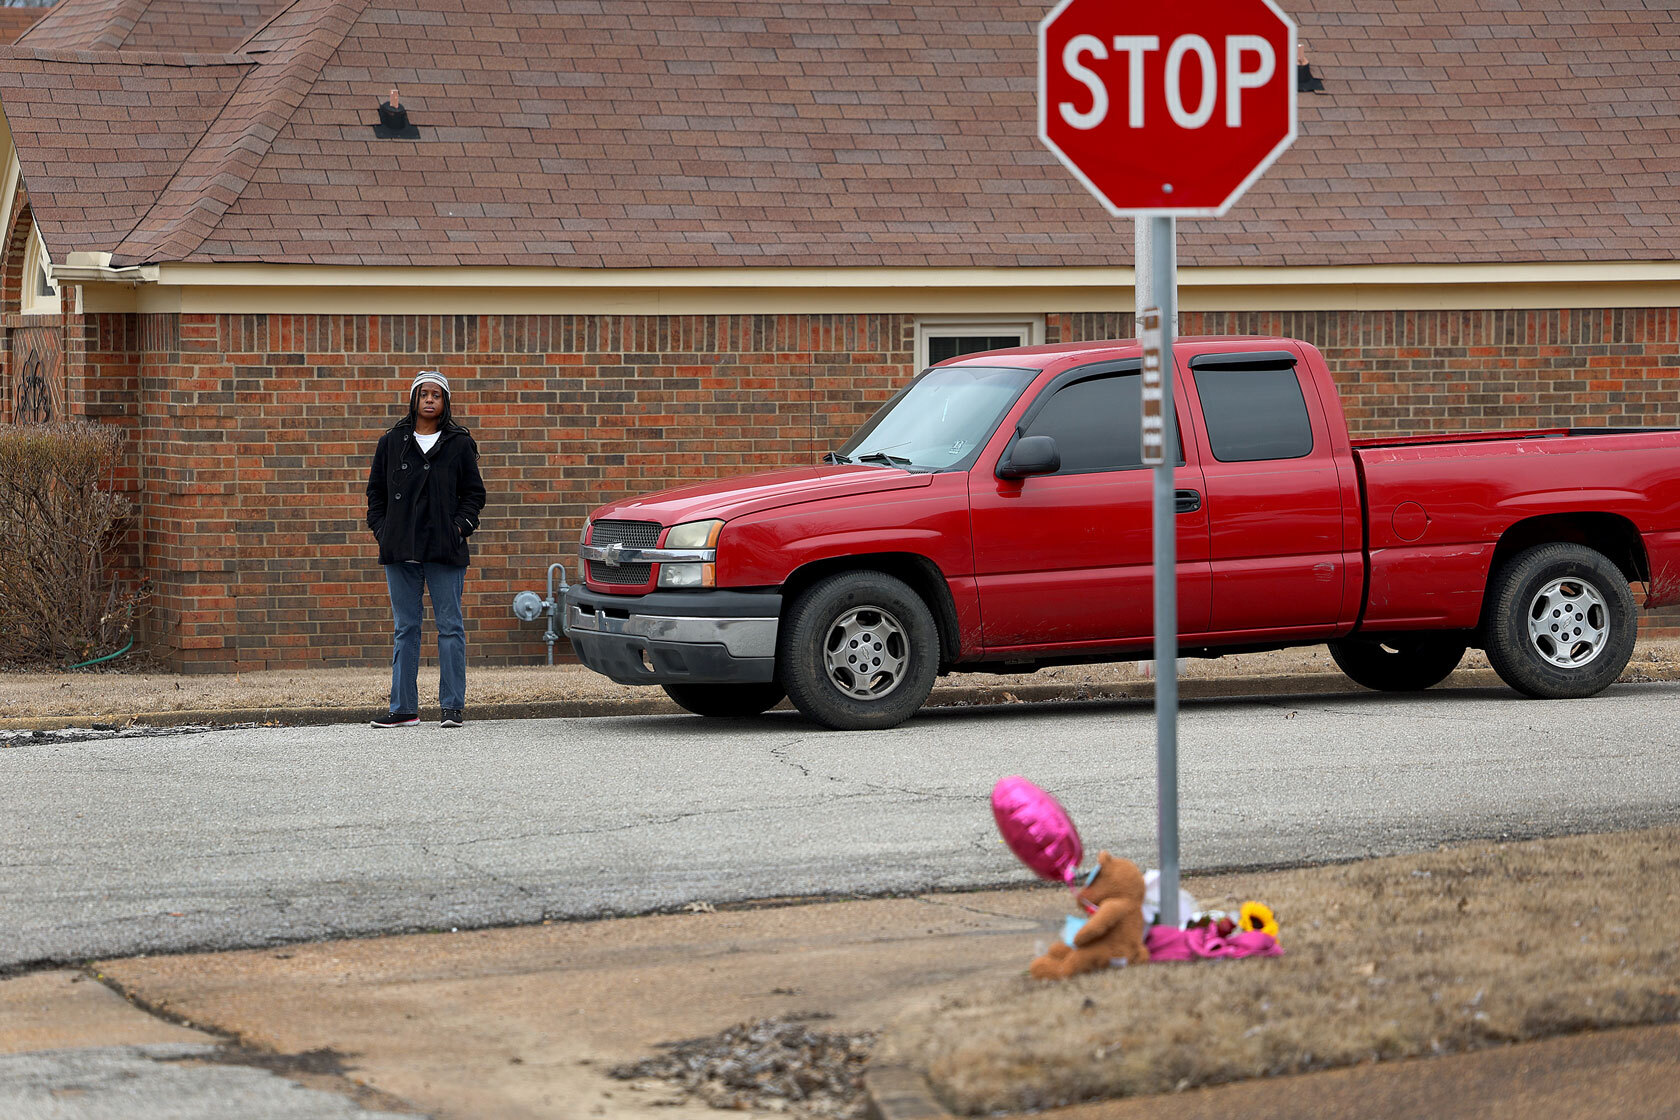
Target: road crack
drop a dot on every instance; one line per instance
(490, 875)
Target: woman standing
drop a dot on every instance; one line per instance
(425, 496)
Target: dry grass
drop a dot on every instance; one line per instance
(124, 688)
(1447, 951)
(36, 694)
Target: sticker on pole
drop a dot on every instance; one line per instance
(1154, 432)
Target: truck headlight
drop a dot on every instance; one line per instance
(688, 575)
(694, 534)
(691, 535)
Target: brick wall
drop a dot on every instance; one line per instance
(255, 434)
(252, 434)
(1404, 372)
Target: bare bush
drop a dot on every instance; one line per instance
(60, 525)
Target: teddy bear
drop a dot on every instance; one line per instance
(1113, 934)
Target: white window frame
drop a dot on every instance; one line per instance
(35, 261)
(1028, 328)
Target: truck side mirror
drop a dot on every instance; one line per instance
(1031, 455)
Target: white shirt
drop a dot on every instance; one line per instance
(426, 442)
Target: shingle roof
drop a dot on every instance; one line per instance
(204, 26)
(15, 21)
(678, 133)
(95, 162)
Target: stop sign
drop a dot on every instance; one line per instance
(1169, 108)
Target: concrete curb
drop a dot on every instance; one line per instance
(894, 1092)
(948, 696)
(316, 717)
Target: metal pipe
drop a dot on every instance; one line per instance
(1143, 273)
(551, 605)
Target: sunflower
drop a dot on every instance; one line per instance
(1257, 916)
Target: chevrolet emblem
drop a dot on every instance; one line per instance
(614, 551)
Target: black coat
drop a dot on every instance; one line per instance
(423, 507)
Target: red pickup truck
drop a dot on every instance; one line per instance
(994, 516)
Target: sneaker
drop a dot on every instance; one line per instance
(396, 719)
(451, 718)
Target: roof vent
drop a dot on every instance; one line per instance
(393, 121)
(1305, 80)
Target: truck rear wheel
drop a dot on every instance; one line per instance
(726, 701)
(1399, 663)
(1561, 622)
(859, 651)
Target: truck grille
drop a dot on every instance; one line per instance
(631, 534)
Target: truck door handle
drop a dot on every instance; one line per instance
(1189, 501)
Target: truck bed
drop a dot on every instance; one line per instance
(1437, 506)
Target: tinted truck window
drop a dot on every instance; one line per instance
(1254, 414)
(1095, 424)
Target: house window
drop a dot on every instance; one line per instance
(40, 294)
(939, 339)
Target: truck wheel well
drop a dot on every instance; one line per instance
(1613, 535)
(922, 574)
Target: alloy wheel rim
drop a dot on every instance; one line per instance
(866, 653)
(1568, 623)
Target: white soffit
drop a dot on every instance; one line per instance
(304, 289)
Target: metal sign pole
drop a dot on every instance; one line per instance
(1143, 271)
(1075, 123)
(1164, 257)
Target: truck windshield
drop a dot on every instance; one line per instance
(938, 420)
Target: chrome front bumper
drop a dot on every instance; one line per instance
(742, 637)
(660, 638)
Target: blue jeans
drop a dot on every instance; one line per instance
(405, 582)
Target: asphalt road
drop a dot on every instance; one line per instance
(252, 837)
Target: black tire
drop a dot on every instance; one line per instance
(1400, 662)
(1583, 618)
(726, 701)
(858, 651)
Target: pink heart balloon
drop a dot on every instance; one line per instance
(1037, 829)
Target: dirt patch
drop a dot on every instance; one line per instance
(777, 1064)
(1447, 951)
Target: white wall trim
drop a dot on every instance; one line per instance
(310, 289)
(1382, 275)
(120, 295)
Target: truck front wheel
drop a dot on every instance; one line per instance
(726, 701)
(859, 651)
(1561, 623)
(1401, 663)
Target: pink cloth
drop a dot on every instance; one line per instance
(1204, 943)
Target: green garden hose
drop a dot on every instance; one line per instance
(107, 657)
